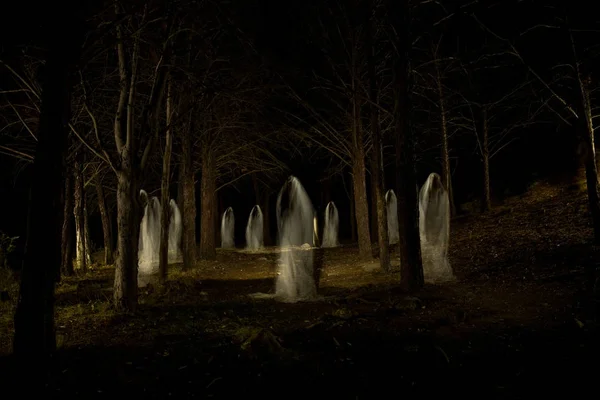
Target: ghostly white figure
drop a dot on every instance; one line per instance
(434, 229)
(254, 229)
(175, 231)
(227, 229)
(149, 240)
(332, 222)
(295, 220)
(392, 217)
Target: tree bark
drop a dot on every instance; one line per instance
(352, 213)
(262, 199)
(80, 254)
(373, 205)
(486, 198)
(88, 242)
(266, 209)
(34, 317)
(586, 127)
(359, 175)
(189, 199)
(377, 168)
(67, 226)
(164, 195)
(106, 222)
(446, 171)
(207, 232)
(408, 207)
(125, 284)
(361, 205)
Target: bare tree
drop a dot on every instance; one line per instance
(34, 317)
(377, 170)
(409, 245)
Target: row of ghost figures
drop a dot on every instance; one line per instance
(296, 279)
(297, 226)
(254, 228)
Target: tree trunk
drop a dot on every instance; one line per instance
(88, 242)
(125, 284)
(352, 213)
(80, 253)
(34, 317)
(406, 183)
(373, 188)
(377, 158)
(359, 178)
(67, 226)
(164, 195)
(262, 199)
(189, 199)
(586, 126)
(486, 198)
(106, 222)
(446, 171)
(361, 205)
(207, 231)
(267, 219)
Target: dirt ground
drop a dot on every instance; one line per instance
(521, 320)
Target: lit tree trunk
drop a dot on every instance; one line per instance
(164, 195)
(208, 206)
(131, 165)
(106, 222)
(377, 169)
(359, 172)
(262, 199)
(34, 317)
(189, 198)
(486, 199)
(88, 242)
(267, 219)
(408, 207)
(67, 226)
(586, 127)
(125, 285)
(373, 187)
(80, 250)
(446, 171)
(352, 213)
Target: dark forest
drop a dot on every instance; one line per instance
(346, 198)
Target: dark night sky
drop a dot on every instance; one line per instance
(280, 33)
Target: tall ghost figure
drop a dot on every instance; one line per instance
(434, 230)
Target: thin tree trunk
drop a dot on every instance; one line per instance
(267, 220)
(106, 222)
(446, 171)
(67, 226)
(361, 206)
(591, 172)
(486, 199)
(409, 245)
(359, 177)
(34, 317)
(88, 242)
(377, 167)
(80, 254)
(125, 284)
(208, 206)
(373, 188)
(164, 195)
(352, 213)
(189, 198)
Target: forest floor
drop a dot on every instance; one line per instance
(520, 321)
